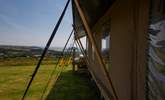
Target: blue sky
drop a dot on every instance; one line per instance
(31, 22)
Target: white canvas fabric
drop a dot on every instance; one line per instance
(156, 62)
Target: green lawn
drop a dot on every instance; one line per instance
(71, 86)
(14, 79)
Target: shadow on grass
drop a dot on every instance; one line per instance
(71, 86)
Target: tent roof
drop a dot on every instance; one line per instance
(93, 10)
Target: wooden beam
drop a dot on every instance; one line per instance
(91, 39)
(73, 60)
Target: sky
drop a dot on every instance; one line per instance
(31, 22)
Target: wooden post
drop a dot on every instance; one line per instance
(73, 60)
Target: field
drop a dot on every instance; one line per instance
(15, 76)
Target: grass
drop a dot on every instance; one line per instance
(21, 61)
(14, 79)
(71, 86)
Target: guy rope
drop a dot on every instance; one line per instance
(46, 48)
(57, 64)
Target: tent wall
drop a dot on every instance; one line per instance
(121, 43)
(128, 22)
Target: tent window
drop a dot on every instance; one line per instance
(105, 51)
(105, 45)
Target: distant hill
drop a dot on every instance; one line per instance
(56, 48)
(26, 51)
